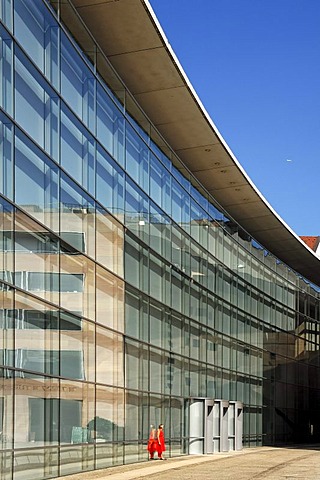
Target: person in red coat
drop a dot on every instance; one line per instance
(161, 442)
(152, 446)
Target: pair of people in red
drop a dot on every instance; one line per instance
(156, 442)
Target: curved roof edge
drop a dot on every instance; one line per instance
(130, 35)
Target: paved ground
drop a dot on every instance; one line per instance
(265, 463)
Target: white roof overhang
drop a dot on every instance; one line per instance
(130, 35)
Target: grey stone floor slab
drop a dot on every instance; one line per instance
(263, 463)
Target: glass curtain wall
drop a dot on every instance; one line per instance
(124, 291)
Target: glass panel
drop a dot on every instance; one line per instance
(155, 368)
(157, 175)
(77, 150)
(76, 413)
(109, 241)
(179, 197)
(77, 351)
(109, 426)
(6, 241)
(137, 158)
(6, 464)
(36, 344)
(159, 222)
(109, 357)
(194, 341)
(39, 177)
(6, 71)
(137, 211)
(36, 463)
(109, 300)
(110, 184)
(156, 314)
(6, 382)
(194, 378)
(77, 217)
(110, 125)
(176, 334)
(36, 259)
(132, 261)
(36, 30)
(6, 154)
(77, 83)
(132, 313)
(6, 13)
(132, 364)
(36, 412)
(156, 272)
(176, 290)
(197, 217)
(194, 302)
(166, 194)
(32, 101)
(77, 285)
(174, 375)
(133, 409)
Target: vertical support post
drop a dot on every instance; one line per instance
(208, 430)
(224, 441)
(232, 425)
(239, 425)
(216, 425)
(196, 442)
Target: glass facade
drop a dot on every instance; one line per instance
(125, 292)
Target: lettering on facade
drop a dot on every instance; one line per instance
(39, 388)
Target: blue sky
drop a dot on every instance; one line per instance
(255, 64)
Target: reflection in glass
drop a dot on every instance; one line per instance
(6, 71)
(124, 291)
(77, 284)
(109, 426)
(77, 217)
(109, 242)
(109, 300)
(109, 354)
(39, 177)
(77, 155)
(77, 402)
(110, 125)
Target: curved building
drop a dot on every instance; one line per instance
(144, 279)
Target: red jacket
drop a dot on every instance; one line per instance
(161, 441)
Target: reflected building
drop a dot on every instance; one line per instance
(127, 289)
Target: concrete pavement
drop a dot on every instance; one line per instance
(262, 463)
